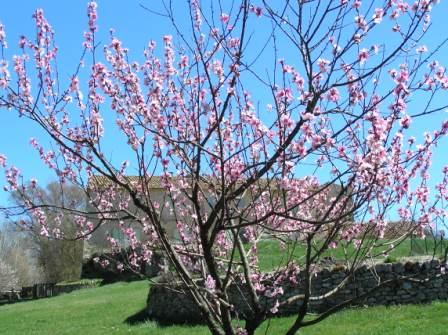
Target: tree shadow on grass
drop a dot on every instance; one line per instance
(138, 318)
(143, 317)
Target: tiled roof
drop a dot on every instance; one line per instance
(155, 182)
(103, 181)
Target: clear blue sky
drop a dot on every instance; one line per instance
(135, 27)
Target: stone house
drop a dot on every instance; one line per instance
(158, 195)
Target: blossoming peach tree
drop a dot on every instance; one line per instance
(287, 122)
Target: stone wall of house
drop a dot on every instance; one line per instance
(427, 283)
(94, 266)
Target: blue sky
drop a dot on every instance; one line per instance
(135, 27)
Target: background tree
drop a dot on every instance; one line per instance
(19, 263)
(58, 252)
(8, 277)
(326, 137)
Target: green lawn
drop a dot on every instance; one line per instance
(271, 254)
(104, 310)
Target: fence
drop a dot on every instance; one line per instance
(38, 291)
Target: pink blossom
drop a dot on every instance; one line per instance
(2, 160)
(405, 122)
(2, 36)
(396, 28)
(402, 6)
(22, 42)
(92, 14)
(274, 309)
(323, 64)
(44, 231)
(74, 84)
(88, 40)
(210, 283)
(240, 331)
(197, 16)
(378, 16)
(286, 121)
(361, 22)
(357, 38)
(333, 95)
(224, 18)
(104, 263)
(307, 116)
(357, 4)
(284, 94)
(421, 49)
(258, 11)
(394, 15)
(4, 74)
(363, 56)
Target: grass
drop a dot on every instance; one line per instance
(100, 310)
(397, 320)
(110, 309)
(271, 254)
(104, 310)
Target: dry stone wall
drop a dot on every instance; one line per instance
(427, 283)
